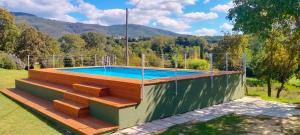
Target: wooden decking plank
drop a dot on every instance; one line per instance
(114, 101)
(85, 125)
(108, 100)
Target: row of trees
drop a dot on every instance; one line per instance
(23, 40)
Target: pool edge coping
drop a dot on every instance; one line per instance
(139, 81)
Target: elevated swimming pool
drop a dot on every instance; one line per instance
(134, 73)
(123, 99)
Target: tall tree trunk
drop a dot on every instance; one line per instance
(297, 18)
(246, 89)
(201, 52)
(269, 83)
(279, 90)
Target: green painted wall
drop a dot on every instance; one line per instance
(104, 112)
(45, 93)
(162, 100)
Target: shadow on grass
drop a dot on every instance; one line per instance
(226, 125)
(59, 127)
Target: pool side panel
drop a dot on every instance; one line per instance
(160, 100)
(42, 92)
(104, 112)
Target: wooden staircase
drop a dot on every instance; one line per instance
(71, 108)
(91, 90)
(77, 105)
(74, 104)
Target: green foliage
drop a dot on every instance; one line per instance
(199, 64)
(152, 59)
(51, 46)
(94, 40)
(8, 31)
(37, 45)
(72, 43)
(277, 23)
(160, 44)
(135, 60)
(253, 82)
(259, 16)
(68, 61)
(203, 47)
(29, 43)
(280, 58)
(233, 44)
(7, 62)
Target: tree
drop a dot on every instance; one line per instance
(281, 58)
(52, 46)
(29, 43)
(203, 46)
(94, 40)
(8, 32)
(233, 44)
(72, 44)
(36, 44)
(261, 18)
(160, 43)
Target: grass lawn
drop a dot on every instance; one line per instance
(290, 95)
(7, 77)
(14, 119)
(234, 125)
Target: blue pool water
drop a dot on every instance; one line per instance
(135, 73)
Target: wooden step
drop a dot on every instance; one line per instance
(85, 125)
(90, 89)
(108, 100)
(78, 98)
(72, 108)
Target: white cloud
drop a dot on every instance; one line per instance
(206, 1)
(206, 32)
(162, 13)
(226, 26)
(185, 32)
(54, 9)
(222, 8)
(201, 16)
(172, 24)
(165, 14)
(102, 17)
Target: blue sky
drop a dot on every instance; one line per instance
(196, 17)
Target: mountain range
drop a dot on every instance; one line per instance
(58, 28)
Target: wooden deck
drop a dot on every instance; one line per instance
(69, 91)
(85, 125)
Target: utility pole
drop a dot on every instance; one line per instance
(126, 53)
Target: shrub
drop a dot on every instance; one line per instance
(253, 82)
(7, 62)
(68, 61)
(197, 64)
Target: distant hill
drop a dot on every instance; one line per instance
(59, 28)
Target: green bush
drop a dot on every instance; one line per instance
(68, 61)
(7, 62)
(253, 82)
(199, 64)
